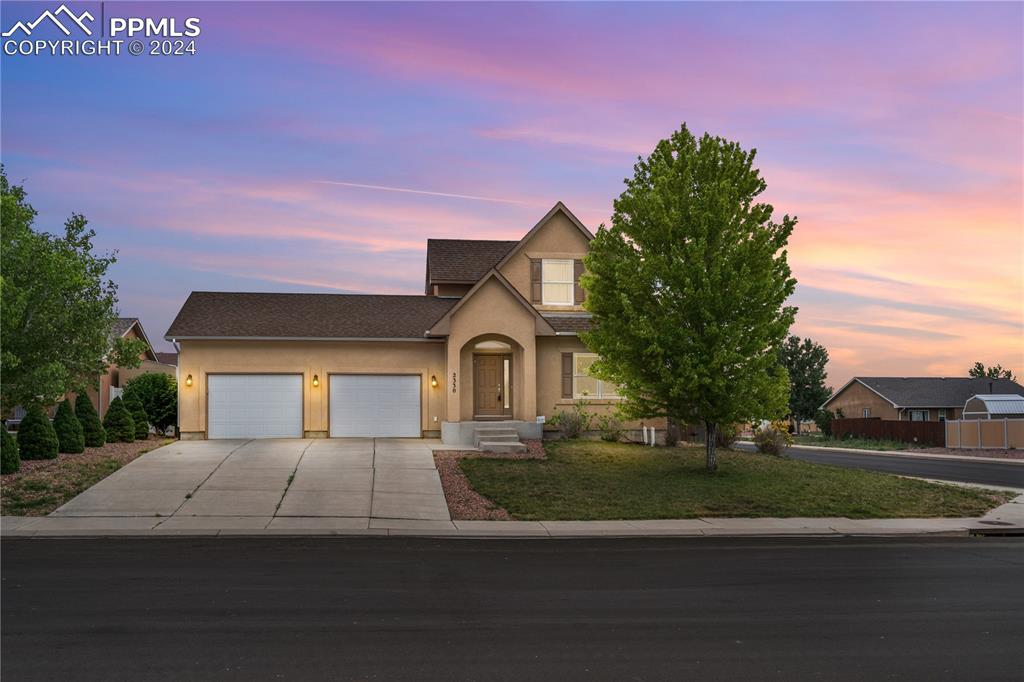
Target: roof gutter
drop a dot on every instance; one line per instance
(295, 338)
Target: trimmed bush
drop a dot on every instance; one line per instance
(772, 439)
(139, 416)
(92, 429)
(36, 437)
(10, 460)
(70, 437)
(610, 427)
(574, 423)
(118, 423)
(158, 393)
(823, 418)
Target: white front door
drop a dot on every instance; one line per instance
(254, 406)
(375, 405)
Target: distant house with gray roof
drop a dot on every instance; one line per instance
(913, 398)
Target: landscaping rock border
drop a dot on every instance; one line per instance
(464, 503)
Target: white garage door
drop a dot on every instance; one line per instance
(254, 406)
(375, 405)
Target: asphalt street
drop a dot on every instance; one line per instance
(419, 608)
(990, 473)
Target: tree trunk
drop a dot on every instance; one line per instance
(712, 433)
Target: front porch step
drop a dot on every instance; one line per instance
(501, 446)
(495, 434)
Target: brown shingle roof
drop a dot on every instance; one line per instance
(167, 358)
(463, 260)
(309, 316)
(121, 326)
(935, 391)
(569, 323)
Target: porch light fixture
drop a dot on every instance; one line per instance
(188, 380)
(316, 381)
(433, 380)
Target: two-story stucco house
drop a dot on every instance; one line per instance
(493, 339)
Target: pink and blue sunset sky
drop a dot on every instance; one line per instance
(280, 157)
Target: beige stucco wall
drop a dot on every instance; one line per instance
(558, 238)
(323, 358)
(491, 310)
(549, 382)
(854, 398)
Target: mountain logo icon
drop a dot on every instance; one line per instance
(69, 16)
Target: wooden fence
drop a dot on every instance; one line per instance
(922, 433)
(1000, 434)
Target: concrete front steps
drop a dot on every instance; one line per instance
(497, 439)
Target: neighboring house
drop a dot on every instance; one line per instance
(112, 383)
(912, 398)
(493, 339)
(169, 359)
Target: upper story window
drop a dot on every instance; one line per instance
(557, 282)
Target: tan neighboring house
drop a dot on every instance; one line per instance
(113, 382)
(492, 340)
(912, 398)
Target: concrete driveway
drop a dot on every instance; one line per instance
(276, 483)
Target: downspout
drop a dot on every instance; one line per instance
(177, 383)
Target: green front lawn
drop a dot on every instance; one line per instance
(596, 480)
(43, 485)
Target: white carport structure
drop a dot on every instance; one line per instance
(994, 406)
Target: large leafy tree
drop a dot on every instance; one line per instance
(688, 289)
(57, 308)
(980, 371)
(805, 362)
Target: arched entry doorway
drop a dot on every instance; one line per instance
(493, 379)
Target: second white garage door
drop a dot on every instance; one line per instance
(375, 405)
(254, 405)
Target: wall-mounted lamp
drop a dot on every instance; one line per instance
(316, 381)
(188, 380)
(433, 380)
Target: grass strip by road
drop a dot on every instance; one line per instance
(855, 443)
(587, 480)
(43, 485)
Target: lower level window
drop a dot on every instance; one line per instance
(919, 415)
(940, 414)
(586, 386)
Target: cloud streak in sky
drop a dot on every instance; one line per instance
(318, 145)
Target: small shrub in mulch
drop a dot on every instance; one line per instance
(10, 460)
(464, 503)
(92, 429)
(36, 437)
(70, 437)
(139, 416)
(118, 423)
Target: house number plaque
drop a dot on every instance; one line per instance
(453, 382)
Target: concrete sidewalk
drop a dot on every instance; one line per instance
(1006, 519)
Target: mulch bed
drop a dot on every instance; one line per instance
(67, 474)
(464, 503)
